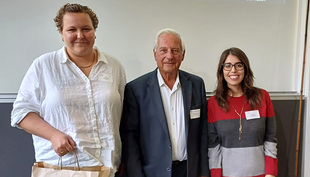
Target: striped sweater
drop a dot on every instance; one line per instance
(252, 156)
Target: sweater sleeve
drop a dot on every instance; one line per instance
(214, 150)
(270, 144)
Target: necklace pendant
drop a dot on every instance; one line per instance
(240, 121)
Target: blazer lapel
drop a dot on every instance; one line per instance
(155, 97)
(186, 86)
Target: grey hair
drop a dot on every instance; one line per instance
(168, 31)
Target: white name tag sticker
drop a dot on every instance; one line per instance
(195, 113)
(105, 77)
(252, 115)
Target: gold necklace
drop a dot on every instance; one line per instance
(90, 64)
(240, 123)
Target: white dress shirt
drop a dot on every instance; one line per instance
(86, 108)
(174, 111)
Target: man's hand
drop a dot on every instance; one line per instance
(121, 169)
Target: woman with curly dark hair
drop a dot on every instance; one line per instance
(242, 124)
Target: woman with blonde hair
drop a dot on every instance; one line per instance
(71, 99)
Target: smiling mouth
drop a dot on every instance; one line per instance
(81, 41)
(233, 77)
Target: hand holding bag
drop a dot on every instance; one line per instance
(41, 169)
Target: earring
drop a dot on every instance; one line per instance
(62, 39)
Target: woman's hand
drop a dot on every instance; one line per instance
(34, 124)
(62, 143)
(270, 176)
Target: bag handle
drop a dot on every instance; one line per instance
(76, 164)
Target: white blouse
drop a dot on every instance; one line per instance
(86, 108)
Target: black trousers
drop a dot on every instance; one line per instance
(179, 169)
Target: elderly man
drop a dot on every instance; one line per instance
(163, 128)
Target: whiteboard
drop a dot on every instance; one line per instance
(265, 30)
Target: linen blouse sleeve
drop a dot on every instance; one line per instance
(214, 151)
(122, 82)
(270, 144)
(28, 97)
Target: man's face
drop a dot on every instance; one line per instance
(168, 54)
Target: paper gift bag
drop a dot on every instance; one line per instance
(41, 169)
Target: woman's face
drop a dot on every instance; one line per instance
(78, 34)
(233, 77)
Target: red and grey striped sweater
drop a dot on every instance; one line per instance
(255, 155)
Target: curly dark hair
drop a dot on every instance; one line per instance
(252, 94)
(74, 8)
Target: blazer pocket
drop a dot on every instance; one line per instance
(194, 113)
(197, 106)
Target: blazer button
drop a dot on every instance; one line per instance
(168, 169)
(169, 146)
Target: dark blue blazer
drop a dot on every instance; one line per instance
(146, 150)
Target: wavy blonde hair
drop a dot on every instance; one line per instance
(74, 8)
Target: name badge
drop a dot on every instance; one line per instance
(105, 77)
(252, 115)
(195, 113)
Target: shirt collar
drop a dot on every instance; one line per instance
(161, 81)
(101, 56)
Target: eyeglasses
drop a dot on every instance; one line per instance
(228, 66)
